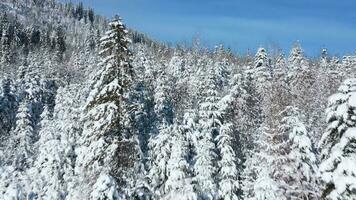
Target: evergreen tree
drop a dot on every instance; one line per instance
(228, 174)
(22, 138)
(105, 188)
(296, 57)
(160, 146)
(60, 43)
(300, 169)
(8, 106)
(338, 144)
(105, 147)
(261, 73)
(262, 163)
(179, 181)
(49, 162)
(163, 106)
(210, 120)
(5, 46)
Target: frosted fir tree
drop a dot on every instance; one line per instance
(258, 182)
(221, 66)
(191, 127)
(246, 108)
(23, 138)
(160, 151)
(261, 70)
(91, 40)
(296, 57)
(179, 181)
(280, 68)
(324, 59)
(6, 54)
(264, 186)
(105, 188)
(228, 174)
(300, 169)
(205, 167)
(143, 118)
(31, 88)
(144, 63)
(261, 59)
(105, 148)
(299, 73)
(48, 166)
(163, 106)
(176, 64)
(338, 145)
(302, 82)
(348, 65)
(144, 124)
(159, 143)
(8, 106)
(60, 43)
(66, 120)
(210, 120)
(238, 123)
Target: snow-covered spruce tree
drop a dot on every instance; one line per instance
(179, 181)
(60, 44)
(261, 59)
(48, 166)
(176, 64)
(258, 181)
(261, 76)
(30, 87)
(8, 106)
(160, 152)
(250, 111)
(179, 75)
(144, 63)
(236, 114)
(105, 150)
(144, 118)
(66, 127)
(228, 174)
(324, 59)
(296, 57)
(300, 169)
(348, 66)
(6, 53)
(296, 63)
(280, 67)
(264, 186)
(205, 166)
(221, 66)
(229, 136)
(262, 68)
(143, 121)
(159, 143)
(337, 145)
(282, 163)
(303, 85)
(22, 138)
(163, 106)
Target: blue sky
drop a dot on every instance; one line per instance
(242, 24)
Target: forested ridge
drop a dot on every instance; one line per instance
(90, 109)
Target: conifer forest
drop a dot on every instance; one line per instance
(93, 110)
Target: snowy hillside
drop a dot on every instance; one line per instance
(92, 110)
